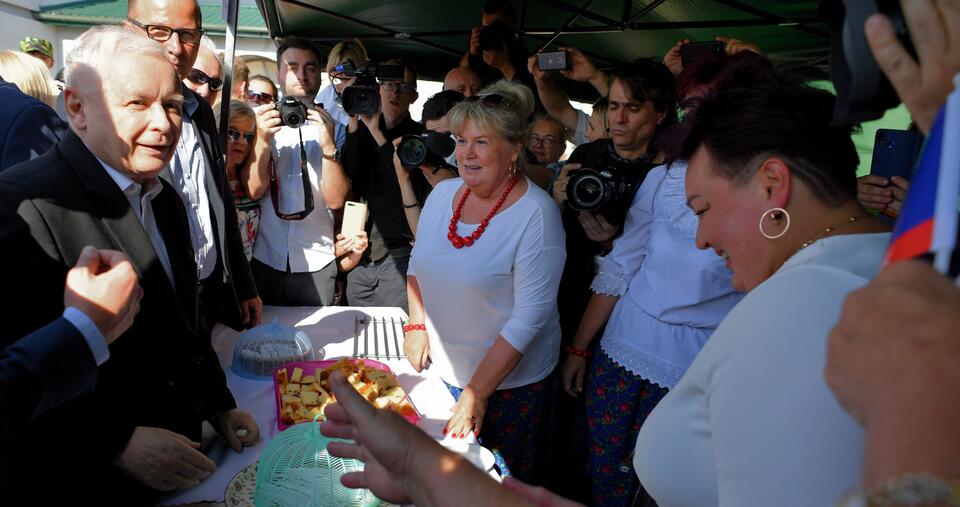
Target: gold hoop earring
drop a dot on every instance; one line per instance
(775, 214)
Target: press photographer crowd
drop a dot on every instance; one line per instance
(701, 305)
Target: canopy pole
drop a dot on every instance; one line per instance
(564, 26)
(230, 9)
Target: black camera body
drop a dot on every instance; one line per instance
(603, 192)
(430, 147)
(494, 37)
(363, 96)
(292, 112)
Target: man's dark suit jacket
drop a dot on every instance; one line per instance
(237, 280)
(28, 127)
(40, 371)
(162, 373)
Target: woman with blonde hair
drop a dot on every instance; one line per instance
(30, 75)
(490, 331)
(241, 133)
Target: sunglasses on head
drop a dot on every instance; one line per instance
(490, 100)
(200, 78)
(234, 135)
(259, 97)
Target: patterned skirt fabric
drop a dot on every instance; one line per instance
(617, 404)
(513, 427)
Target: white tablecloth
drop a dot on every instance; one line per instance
(331, 329)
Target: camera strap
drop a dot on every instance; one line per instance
(307, 189)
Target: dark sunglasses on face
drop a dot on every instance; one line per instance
(259, 97)
(234, 135)
(199, 78)
(161, 33)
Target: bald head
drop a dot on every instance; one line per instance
(463, 80)
(175, 14)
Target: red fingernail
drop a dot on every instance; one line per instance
(444, 431)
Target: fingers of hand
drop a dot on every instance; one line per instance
(344, 450)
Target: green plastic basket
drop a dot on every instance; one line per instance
(296, 471)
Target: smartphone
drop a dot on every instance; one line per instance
(895, 152)
(556, 60)
(354, 218)
(696, 50)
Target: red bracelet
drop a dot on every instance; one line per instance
(570, 349)
(414, 327)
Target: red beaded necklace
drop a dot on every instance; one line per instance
(460, 241)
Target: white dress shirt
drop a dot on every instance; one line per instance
(752, 423)
(188, 170)
(504, 285)
(307, 243)
(672, 294)
(140, 199)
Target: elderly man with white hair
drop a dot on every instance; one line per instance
(140, 430)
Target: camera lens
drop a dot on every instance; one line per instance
(588, 192)
(294, 120)
(412, 152)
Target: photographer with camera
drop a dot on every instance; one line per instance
(379, 102)
(431, 153)
(604, 175)
(330, 96)
(300, 184)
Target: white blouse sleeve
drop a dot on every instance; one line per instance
(630, 248)
(536, 274)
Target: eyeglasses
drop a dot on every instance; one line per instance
(234, 135)
(545, 141)
(200, 78)
(161, 33)
(398, 86)
(259, 98)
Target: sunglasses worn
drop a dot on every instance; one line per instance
(546, 141)
(259, 97)
(200, 78)
(234, 135)
(161, 33)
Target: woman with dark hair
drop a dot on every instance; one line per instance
(773, 183)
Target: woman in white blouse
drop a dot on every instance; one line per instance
(752, 422)
(663, 298)
(483, 279)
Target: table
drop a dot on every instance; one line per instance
(329, 328)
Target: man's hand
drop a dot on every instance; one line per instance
(382, 440)
(403, 174)
(733, 46)
(251, 311)
(237, 427)
(268, 122)
(673, 60)
(103, 285)
(539, 496)
(905, 321)
(560, 186)
(597, 228)
(164, 460)
(324, 122)
(923, 84)
(581, 68)
(475, 40)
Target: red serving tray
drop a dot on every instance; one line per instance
(308, 366)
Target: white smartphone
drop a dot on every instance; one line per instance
(354, 218)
